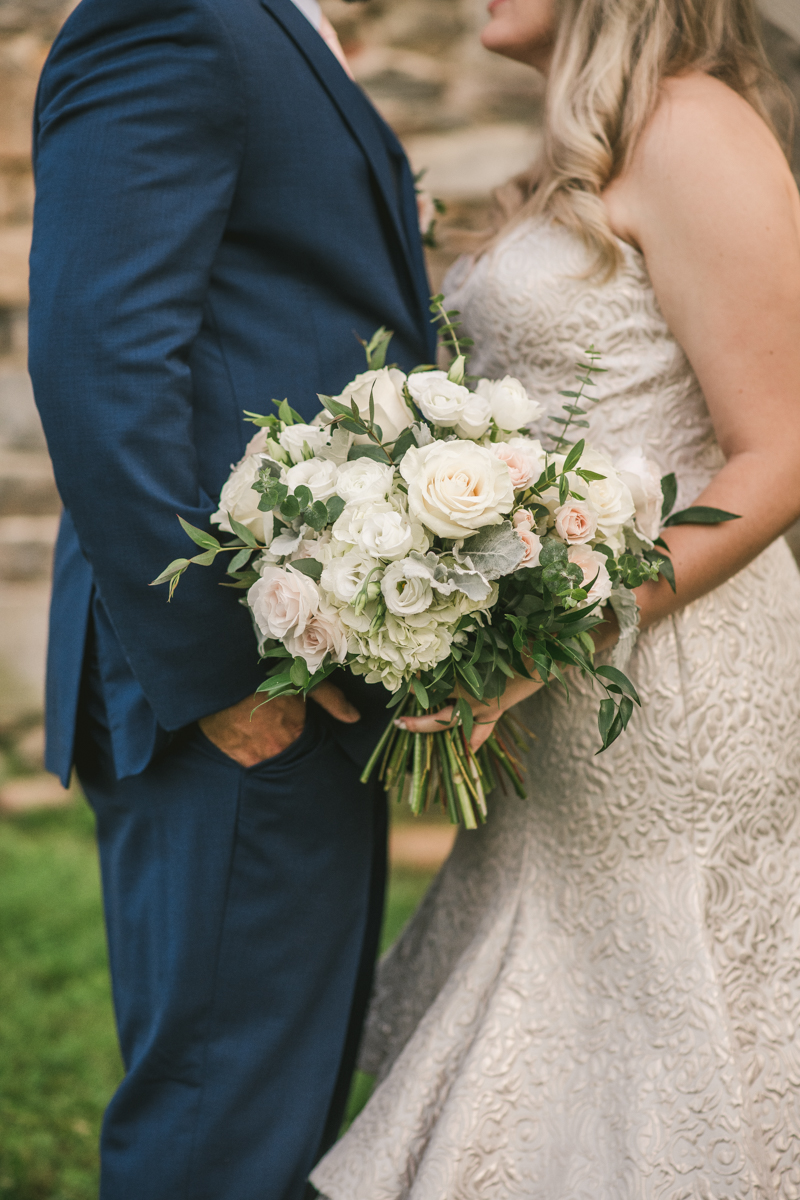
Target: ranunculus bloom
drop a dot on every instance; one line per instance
(593, 564)
(283, 601)
(364, 479)
(295, 437)
(437, 397)
(240, 501)
(323, 634)
(512, 407)
(317, 474)
(644, 481)
(391, 411)
(407, 588)
(456, 488)
(576, 521)
(344, 577)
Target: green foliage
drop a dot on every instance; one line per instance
(576, 414)
(701, 515)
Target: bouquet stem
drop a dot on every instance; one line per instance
(424, 769)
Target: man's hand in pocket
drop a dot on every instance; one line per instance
(249, 735)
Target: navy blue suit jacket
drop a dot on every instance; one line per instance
(219, 210)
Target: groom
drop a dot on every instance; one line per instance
(219, 210)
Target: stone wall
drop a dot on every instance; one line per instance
(468, 117)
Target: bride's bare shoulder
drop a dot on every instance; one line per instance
(704, 144)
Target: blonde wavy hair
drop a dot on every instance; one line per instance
(609, 59)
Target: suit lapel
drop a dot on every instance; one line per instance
(351, 103)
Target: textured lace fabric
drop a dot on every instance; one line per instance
(599, 999)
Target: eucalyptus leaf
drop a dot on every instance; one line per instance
(175, 568)
(199, 536)
(308, 566)
(377, 453)
(669, 490)
(701, 515)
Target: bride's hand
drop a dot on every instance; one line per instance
(488, 713)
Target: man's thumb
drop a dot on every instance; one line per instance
(334, 701)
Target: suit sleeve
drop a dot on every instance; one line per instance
(139, 137)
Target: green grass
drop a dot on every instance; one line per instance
(59, 1061)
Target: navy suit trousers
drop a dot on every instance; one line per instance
(234, 1035)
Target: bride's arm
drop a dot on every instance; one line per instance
(710, 201)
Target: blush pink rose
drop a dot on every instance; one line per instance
(576, 522)
(523, 519)
(283, 601)
(322, 634)
(521, 467)
(533, 545)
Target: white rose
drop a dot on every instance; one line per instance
(610, 497)
(240, 501)
(406, 588)
(576, 521)
(386, 534)
(380, 523)
(386, 387)
(364, 479)
(644, 481)
(322, 634)
(437, 397)
(282, 601)
(294, 438)
(592, 563)
(455, 488)
(512, 407)
(317, 474)
(344, 577)
(475, 418)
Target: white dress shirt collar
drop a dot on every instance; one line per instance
(310, 9)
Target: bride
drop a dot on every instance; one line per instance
(600, 996)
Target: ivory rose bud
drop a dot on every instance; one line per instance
(240, 501)
(644, 481)
(282, 601)
(437, 397)
(456, 488)
(294, 438)
(386, 388)
(406, 588)
(317, 474)
(512, 407)
(576, 521)
(593, 564)
(476, 417)
(364, 479)
(323, 634)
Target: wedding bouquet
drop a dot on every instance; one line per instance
(417, 534)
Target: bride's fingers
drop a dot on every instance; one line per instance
(430, 723)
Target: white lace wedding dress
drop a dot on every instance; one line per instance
(599, 999)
